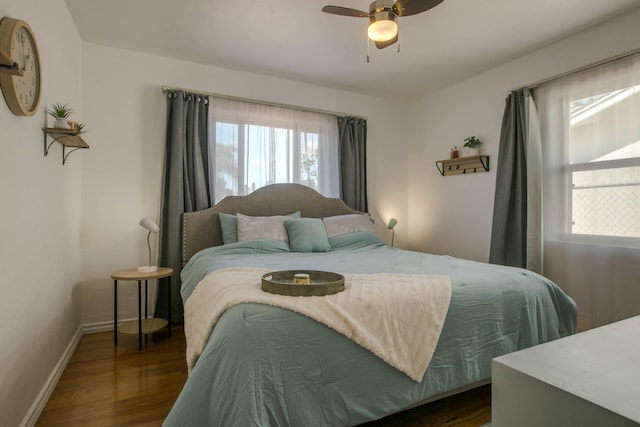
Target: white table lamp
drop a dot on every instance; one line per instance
(391, 226)
(149, 224)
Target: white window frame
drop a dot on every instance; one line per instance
(593, 166)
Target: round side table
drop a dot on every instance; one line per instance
(144, 325)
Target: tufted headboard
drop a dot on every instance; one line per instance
(201, 229)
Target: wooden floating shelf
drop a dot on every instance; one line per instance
(68, 138)
(463, 165)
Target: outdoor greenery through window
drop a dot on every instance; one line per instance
(257, 145)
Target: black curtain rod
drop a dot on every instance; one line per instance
(580, 69)
(256, 101)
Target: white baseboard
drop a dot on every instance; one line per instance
(43, 397)
(92, 328)
(47, 389)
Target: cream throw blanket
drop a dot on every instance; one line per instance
(398, 317)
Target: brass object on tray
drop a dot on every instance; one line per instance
(320, 283)
(301, 279)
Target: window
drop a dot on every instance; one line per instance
(257, 145)
(604, 167)
(591, 154)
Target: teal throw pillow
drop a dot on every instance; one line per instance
(307, 235)
(229, 225)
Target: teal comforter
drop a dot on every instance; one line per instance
(267, 366)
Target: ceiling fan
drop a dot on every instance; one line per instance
(382, 15)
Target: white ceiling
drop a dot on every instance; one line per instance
(295, 40)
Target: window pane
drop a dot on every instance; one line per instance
(268, 156)
(258, 145)
(309, 159)
(607, 202)
(226, 152)
(605, 126)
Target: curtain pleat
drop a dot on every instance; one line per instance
(352, 133)
(185, 186)
(534, 187)
(509, 229)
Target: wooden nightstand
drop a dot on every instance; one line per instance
(144, 325)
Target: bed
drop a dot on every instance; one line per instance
(266, 364)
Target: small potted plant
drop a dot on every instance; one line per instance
(471, 146)
(61, 113)
(80, 128)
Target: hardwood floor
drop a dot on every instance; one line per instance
(107, 385)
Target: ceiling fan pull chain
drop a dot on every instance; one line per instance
(368, 43)
(398, 47)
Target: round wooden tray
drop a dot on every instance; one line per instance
(322, 283)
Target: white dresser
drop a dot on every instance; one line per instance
(588, 379)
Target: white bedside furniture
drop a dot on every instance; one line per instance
(588, 379)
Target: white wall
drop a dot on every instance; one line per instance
(40, 220)
(66, 228)
(453, 215)
(122, 173)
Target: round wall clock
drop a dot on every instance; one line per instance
(21, 92)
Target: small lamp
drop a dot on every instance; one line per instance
(149, 224)
(390, 226)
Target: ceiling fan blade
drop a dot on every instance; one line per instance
(345, 11)
(382, 45)
(412, 7)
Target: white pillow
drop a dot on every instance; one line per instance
(350, 223)
(262, 227)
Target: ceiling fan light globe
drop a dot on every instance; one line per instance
(382, 26)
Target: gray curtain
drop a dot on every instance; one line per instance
(509, 230)
(352, 133)
(186, 185)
